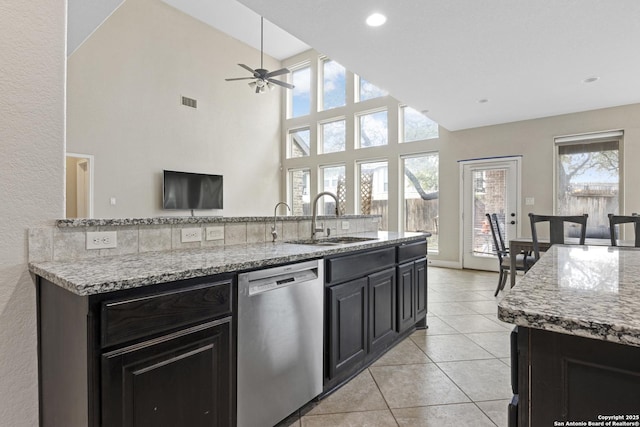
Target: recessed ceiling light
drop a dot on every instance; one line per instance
(376, 19)
(483, 101)
(591, 79)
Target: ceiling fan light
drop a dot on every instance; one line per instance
(252, 85)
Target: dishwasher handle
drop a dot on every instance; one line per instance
(260, 281)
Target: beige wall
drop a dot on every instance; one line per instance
(124, 90)
(533, 139)
(32, 42)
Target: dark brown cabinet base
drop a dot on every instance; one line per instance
(568, 378)
(160, 356)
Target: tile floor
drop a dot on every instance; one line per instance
(456, 373)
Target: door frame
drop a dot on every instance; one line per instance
(91, 166)
(518, 195)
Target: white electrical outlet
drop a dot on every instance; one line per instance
(215, 233)
(345, 225)
(191, 235)
(102, 239)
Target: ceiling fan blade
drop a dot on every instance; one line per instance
(240, 78)
(279, 83)
(277, 72)
(249, 69)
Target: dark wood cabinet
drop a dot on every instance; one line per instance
(348, 326)
(412, 293)
(156, 356)
(370, 302)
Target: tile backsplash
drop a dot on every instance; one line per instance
(67, 240)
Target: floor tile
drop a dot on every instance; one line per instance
(351, 419)
(496, 410)
(496, 343)
(480, 379)
(506, 360)
(472, 323)
(481, 307)
(455, 296)
(494, 319)
(404, 353)
(359, 394)
(435, 327)
(445, 348)
(449, 308)
(409, 386)
(459, 415)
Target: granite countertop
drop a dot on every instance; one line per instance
(106, 274)
(588, 291)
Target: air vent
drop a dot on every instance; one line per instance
(189, 102)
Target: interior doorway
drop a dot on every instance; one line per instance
(79, 186)
(489, 186)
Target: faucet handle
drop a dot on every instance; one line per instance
(328, 231)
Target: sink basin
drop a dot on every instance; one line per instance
(332, 241)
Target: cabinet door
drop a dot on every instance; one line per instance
(406, 296)
(382, 309)
(348, 326)
(183, 379)
(420, 276)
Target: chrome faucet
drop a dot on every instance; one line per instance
(274, 233)
(314, 218)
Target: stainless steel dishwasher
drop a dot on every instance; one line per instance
(280, 338)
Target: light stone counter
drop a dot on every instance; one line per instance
(587, 291)
(112, 273)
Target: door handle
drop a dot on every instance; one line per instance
(513, 222)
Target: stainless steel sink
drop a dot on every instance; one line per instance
(332, 241)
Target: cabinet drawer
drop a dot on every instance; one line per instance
(129, 319)
(347, 267)
(409, 251)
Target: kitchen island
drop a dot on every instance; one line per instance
(152, 338)
(576, 349)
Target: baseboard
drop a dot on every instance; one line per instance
(445, 264)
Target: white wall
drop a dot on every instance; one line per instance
(124, 90)
(32, 42)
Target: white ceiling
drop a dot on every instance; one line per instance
(528, 58)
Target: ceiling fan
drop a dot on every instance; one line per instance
(263, 78)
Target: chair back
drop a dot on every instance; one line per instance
(624, 219)
(498, 241)
(556, 228)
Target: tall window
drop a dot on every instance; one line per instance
(368, 90)
(333, 136)
(373, 129)
(301, 93)
(373, 190)
(299, 143)
(588, 176)
(333, 85)
(416, 126)
(333, 180)
(299, 180)
(420, 178)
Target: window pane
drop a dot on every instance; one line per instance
(417, 126)
(589, 182)
(333, 136)
(301, 93)
(421, 196)
(373, 191)
(369, 90)
(299, 191)
(333, 85)
(299, 140)
(333, 180)
(373, 129)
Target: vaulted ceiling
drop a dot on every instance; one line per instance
(468, 63)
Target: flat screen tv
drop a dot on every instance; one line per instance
(185, 190)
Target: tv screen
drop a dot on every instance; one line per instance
(184, 190)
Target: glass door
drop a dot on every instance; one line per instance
(489, 186)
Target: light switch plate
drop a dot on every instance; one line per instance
(345, 225)
(215, 232)
(529, 201)
(191, 235)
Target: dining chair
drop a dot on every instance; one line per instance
(624, 219)
(556, 229)
(504, 261)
